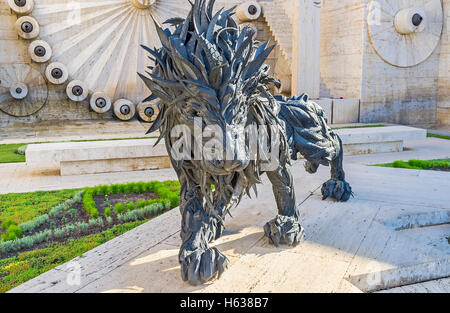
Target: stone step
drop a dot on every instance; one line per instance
(75, 158)
(378, 139)
(282, 31)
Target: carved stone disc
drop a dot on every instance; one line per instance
(405, 33)
(26, 83)
(124, 109)
(147, 111)
(99, 41)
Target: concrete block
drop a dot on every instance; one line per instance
(345, 111)
(373, 147)
(77, 158)
(113, 165)
(380, 134)
(327, 106)
(378, 139)
(93, 150)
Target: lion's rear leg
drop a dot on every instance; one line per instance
(285, 227)
(199, 262)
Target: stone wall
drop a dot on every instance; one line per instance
(279, 66)
(59, 107)
(398, 95)
(351, 68)
(14, 50)
(341, 48)
(443, 112)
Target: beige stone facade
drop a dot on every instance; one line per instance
(322, 47)
(351, 68)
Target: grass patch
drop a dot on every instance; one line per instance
(438, 136)
(8, 153)
(22, 207)
(363, 126)
(437, 164)
(27, 265)
(14, 153)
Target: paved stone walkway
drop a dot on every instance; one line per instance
(349, 247)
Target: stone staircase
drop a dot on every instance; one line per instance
(280, 25)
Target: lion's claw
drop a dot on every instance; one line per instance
(284, 230)
(338, 189)
(200, 266)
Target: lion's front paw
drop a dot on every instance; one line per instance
(201, 266)
(284, 230)
(338, 189)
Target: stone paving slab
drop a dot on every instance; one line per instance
(435, 286)
(348, 247)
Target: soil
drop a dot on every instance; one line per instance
(134, 197)
(77, 213)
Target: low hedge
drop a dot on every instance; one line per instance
(167, 191)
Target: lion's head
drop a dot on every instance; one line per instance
(210, 68)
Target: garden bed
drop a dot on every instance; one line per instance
(106, 209)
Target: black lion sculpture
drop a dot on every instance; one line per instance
(210, 70)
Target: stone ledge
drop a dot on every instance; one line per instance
(76, 158)
(378, 139)
(94, 150)
(380, 134)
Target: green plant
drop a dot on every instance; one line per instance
(139, 187)
(119, 208)
(13, 232)
(130, 206)
(21, 150)
(73, 212)
(89, 203)
(7, 223)
(129, 187)
(145, 212)
(82, 226)
(141, 203)
(59, 232)
(107, 211)
(35, 223)
(114, 189)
